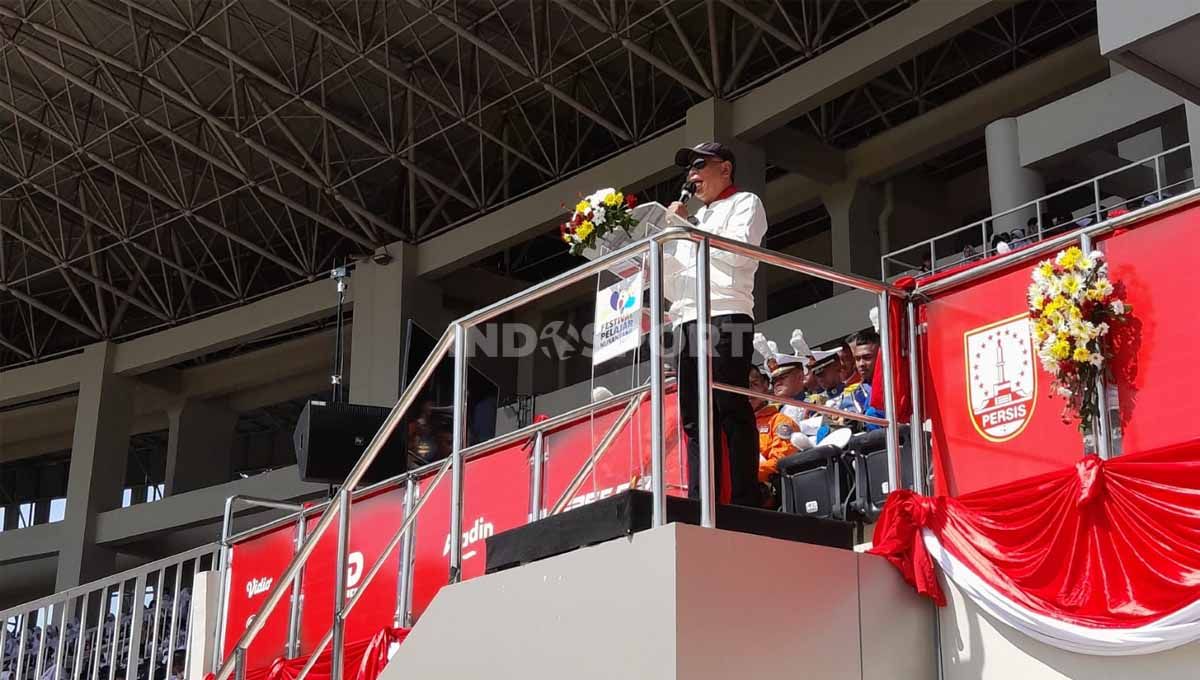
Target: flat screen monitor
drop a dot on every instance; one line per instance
(482, 393)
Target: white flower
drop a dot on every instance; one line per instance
(1102, 329)
(598, 215)
(597, 198)
(1087, 264)
(1118, 307)
(1096, 360)
(1095, 255)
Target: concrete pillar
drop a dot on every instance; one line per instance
(710, 121)
(99, 450)
(855, 210)
(380, 312)
(1192, 111)
(1009, 183)
(199, 445)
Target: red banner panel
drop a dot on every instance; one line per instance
(1156, 266)
(994, 420)
(254, 566)
(496, 498)
(374, 520)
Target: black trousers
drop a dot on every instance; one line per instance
(735, 435)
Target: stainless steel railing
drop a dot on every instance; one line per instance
(455, 338)
(941, 255)
(121, 626)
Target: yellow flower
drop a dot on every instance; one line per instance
(584, 230)
(1041, 330)
(612, 199)
(583, 207)
(1081, 355)
(1070, 258)
(1071, 284)
(1061, 349)
(1046, 269)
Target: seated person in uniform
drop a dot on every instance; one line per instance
(856, 398)
(774, 437)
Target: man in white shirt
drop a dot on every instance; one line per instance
(738, 216)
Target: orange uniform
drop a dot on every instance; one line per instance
(774, 439)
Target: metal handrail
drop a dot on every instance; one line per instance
(206, 549)
(456, 334)
(815, 408)
(1094, 182)
(1050, 245)
(310, 542)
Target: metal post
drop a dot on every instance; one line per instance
(1158, 175)
(222, 595)
(404, 583)
(1096, 195)
(1103, 429)
(916, 430)
(889, 394)
(294, 614)
(704, 388)
(138, 610)
(459, 432)
(339, 589)
(983, 252)
(657, 447)
(239, 663)
(536, 497)
(1037, 205)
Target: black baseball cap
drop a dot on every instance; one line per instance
(686, 155)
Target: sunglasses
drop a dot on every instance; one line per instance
(698, 164)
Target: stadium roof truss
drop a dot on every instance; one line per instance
(161, 160)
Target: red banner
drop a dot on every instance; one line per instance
(496, 498)
(254, 566)
(1155, 265)
(374, 520)
(985, 391)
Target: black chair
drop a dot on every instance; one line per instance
(866, 457)
(811, 483)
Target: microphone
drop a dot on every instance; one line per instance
(687, 191)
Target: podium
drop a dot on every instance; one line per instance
(652, 218)
(621, 319)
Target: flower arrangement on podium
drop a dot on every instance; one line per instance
(1073, 306)
(597, 217)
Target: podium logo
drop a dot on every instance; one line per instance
(1001, 377)
(480, 530)
(258, 586)
(622, 301)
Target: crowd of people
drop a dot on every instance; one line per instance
(838, 378)
(23, 640)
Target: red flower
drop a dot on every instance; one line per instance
(576, 220)
(631, 201)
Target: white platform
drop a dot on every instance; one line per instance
(678, 602)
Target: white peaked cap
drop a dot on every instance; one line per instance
(765, 349)
(799, 345)
(874, 314)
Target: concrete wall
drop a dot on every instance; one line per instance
(1122, 22)
(1091, 115)
(678, 602)
(977, 647)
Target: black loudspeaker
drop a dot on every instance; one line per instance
(331, 437)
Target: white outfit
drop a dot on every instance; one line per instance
(737, 217)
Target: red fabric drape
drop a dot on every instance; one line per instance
(900, 350)
(364, 660)
(1106, 544)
